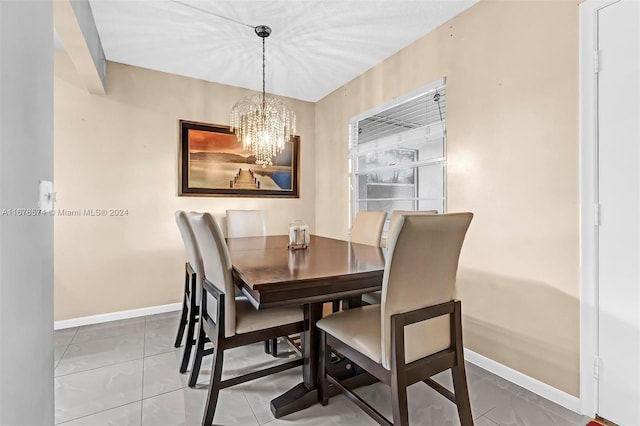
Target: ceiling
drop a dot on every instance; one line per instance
(316, 45)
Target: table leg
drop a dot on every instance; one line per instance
(311, 349)
(304, 394)
(352, 302)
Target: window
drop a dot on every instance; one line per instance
(397, 154)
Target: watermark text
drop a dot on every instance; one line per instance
(98, 212)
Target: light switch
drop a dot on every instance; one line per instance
(47, 196)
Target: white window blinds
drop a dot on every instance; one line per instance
(397, 153)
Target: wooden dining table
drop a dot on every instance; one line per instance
(269, 275)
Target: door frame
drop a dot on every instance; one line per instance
(589, 361)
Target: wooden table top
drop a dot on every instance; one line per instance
(271, 275)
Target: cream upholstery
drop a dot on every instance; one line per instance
(216, 261)
(420, 271)
(358, 327)
(191, 248)
(376, 296)
(363, 333)
(246, 223)
(240, 316)
(249, 318)
(367, 227)
(395, 217)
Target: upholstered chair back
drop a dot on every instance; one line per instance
(191, 248)
(217, 265)
(367, 227)
(246, 223)
(395, 216)
(420, 271)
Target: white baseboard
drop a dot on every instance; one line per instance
(562, 398)
(133, 313)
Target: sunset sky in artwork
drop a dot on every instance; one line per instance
(213, 142)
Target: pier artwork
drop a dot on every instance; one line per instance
(213, 162)
(248, 179)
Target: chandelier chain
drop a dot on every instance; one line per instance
(263, 73)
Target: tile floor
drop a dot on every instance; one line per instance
(126, 373)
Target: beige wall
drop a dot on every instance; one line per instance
(121, 151)
(512, 147)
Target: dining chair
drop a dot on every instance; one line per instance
(246, 223)
(192, 293)
(367, 227)
(228, 321)
(376, 296)
(250, 223)
(416, 331)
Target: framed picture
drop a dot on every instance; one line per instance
(214, 163)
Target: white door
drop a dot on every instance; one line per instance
(619, 198)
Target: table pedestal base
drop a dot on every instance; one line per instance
(296, 399)
(299, 397)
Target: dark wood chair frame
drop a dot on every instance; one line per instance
(189, 317)
(401, 374)
(213, 330)
(271, 347)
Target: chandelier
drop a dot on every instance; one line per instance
(263, 123)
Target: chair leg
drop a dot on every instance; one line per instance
(462, 394)
(183, 317)
(323, 386)
(189, 342)
(271, 347)
(458, 371)
(399, 402)
(214, 387)
(197, 359)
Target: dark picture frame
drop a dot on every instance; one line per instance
(214, 164)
